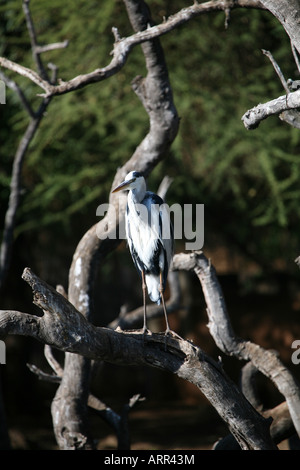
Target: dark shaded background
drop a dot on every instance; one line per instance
(248, 182)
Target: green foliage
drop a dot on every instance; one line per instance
(247, 180)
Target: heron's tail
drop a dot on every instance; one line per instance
(152, 282)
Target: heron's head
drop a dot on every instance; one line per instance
(134, 180)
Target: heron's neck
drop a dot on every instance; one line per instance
(138, 194)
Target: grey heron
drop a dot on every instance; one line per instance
(150, 238)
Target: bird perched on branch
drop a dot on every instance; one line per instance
(149, 233)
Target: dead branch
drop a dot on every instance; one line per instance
(15, 87)
(281, 426)
(119, 422)
(221, 330)
(33, 39)
(15, 190)
(35, 120)
(64, 328)
(52, 47)
(277, 70)
(122, 47)
(249, 385)
(253, 117)
(286, 106)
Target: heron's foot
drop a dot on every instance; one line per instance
(172, 333)
(145, 332)
(169, 332)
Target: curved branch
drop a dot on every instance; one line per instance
(64, 328)
(221, 329)
(287, 12)
(15, 190)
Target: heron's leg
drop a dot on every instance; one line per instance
(144, 286)
(161, 290)
(168, 329)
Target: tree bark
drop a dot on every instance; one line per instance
(221, 330)
(64, 328)
(70, 421)
(287, 12)
(15, 191)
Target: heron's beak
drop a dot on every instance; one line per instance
(123, 185)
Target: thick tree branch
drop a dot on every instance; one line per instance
(287, 12)
(64, 328)
(221, 329)
(281, 426)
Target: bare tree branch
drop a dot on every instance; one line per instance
(221, 329)
(15, 191)
(286, 106)
(281, 428)
(118, 422)
(35, 119)
(286, 11)
(277, 70)
(249, 386)
(253, 117)
(52, 361)
(15, 87)
(51, 47)
(122, 47)
(64, 328)
(296, 56)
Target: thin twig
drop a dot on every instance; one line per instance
(52, 47)
(15, 191)
(43, 375)
(164, 186)
(296, 57)
(277, 70)
(15, 87)
(33, 40)
(52, 361)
